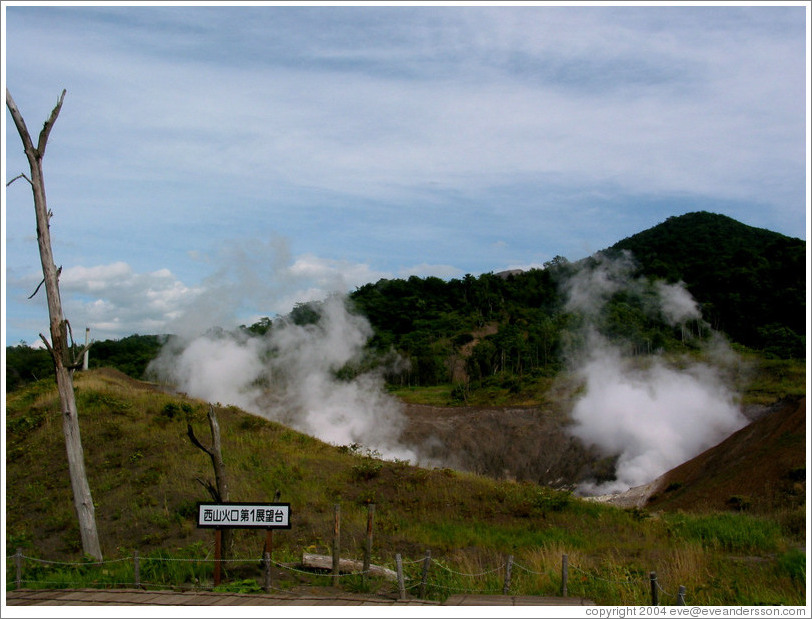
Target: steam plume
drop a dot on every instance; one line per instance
(650, 414)
(290, 376)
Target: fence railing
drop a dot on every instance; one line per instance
(414, 577)
(431, 577)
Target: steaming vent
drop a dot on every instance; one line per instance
(650, 412)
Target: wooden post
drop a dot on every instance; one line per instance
(136, 571)
(18, 563)
(401, 583)
(508, 569)
(336, 543)
(268, 541)
(424, 580)
(368, 549)
(87, 349)
(655, 597)
(218, 554)
(267, 558)
(565, 573)
(681, 596)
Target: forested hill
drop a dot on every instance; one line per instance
(508, 327)
(750, 282)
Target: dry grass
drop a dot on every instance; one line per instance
(143, 469)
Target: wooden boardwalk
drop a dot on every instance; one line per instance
(137, 597)
(514, 600)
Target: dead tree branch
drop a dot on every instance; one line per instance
(48, 125)
(218, 490)
(19, 176)
(214, 452)
(58, 347)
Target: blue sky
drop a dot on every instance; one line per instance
(212, 165)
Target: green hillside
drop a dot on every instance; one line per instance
(750, 282)
(143, 472)
(507, 333)
(494, 345)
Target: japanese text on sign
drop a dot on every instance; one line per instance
(244, 515)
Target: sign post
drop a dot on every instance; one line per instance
(218, 516)
(218, 555)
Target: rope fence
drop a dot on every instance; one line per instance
(421, 578)
(417, 581)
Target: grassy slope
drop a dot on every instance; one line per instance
(142, 471)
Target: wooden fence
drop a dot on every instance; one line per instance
(338, 568)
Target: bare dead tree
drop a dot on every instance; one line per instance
(59, 346)
(218, 490)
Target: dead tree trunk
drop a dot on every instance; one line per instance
(218, 490)
(59, 346)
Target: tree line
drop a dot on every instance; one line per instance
(509, 327)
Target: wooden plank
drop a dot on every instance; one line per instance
(325, 562)
(532, 600)
(62, 597)
(514, 600)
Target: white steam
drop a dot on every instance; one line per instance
(655, 417)
(651, 415)
(290, 376)
(676, 304)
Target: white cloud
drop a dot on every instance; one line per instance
(249, 279)
(333, 275)
(482, 96)
(389, 136)
(114, 301)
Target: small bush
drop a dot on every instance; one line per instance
(459, 393)
(368, 468)
(547, 499)
(173, 411)
(26, 424)
(739, 503)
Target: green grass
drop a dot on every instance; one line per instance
(729, 532)
(761, 380)
(765, 380)
(439, 395)
(142, 472)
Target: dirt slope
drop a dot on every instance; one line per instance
(762, 467)
(520, 443)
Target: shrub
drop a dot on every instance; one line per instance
(739, 503)
(547, 499)
(368, 468)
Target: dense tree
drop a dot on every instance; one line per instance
(745, 278)
(749, 283)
